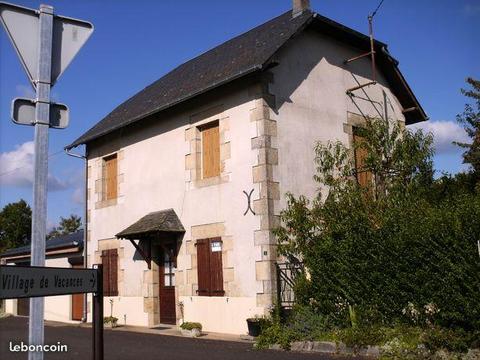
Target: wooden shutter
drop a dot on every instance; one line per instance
(364, 177)
(216, 269)
(111, 177)
(203, 267)
(110, 272)
(211, 150)
(209, 268)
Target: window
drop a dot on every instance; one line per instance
(364, 176)
(209, 267)
(168, 269)
(210, 150)
(110, 177)
(110, 281)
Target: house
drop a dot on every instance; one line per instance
(65, 251)
(186, 178)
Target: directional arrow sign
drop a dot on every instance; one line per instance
(23, 113)
(32, 281)
(21, 24)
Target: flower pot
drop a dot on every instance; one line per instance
(111, 325)
(191, 333)
(254, 328)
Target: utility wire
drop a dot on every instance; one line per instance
(24, 166)
(378, 7)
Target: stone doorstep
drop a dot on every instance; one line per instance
(329, 347)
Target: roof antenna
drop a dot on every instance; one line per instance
(371, 53)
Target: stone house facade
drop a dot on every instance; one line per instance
(187, 178)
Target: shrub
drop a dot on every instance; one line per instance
(191, 325)
(110, 319)
(457, 340)
(400, 250)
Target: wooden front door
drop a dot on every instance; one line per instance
(167, 270)
(23, 306)
(77, 302)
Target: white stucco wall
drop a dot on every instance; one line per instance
(220, 314)
(153, 164)
(310, 91)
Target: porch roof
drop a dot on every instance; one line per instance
(154, 222)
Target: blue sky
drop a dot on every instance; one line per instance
(136, 42)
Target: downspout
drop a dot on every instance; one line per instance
(85, 243)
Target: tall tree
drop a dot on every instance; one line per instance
(470, 120)
(15, 225)
(67, 225)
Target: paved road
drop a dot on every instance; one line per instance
(123, 345)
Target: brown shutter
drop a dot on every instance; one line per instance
(211, 150)
(364, 177)
(110, 272)
(111, 177)
(203, 267)
(106, 272)
(216, 269)
(113, 280)
(209, 268)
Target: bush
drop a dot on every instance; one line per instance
(110, 320)
(410, 261)
(457, 340)
(191, 325)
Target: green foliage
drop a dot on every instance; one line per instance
(67, 226)
(403, 251)
(110, 320)
(15, 225)
(457, 340)
(275, 333)
(191, 325)
(470, 119)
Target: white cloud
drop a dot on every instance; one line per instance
(16, 168)
(444, 132)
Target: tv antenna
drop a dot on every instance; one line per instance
(370, 54)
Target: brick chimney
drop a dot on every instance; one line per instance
(299, 6)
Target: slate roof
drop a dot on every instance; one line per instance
(159, 221)
(238, 57)
(60, 242)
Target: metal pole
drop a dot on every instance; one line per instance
(372, 47)
(97, 321)
(42, 120)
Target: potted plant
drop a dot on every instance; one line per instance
(254, 326)
(110, 321)
(191, 329)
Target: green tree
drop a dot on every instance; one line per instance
(470, 119)
(67, 225)
(384, 253)
(15, 225)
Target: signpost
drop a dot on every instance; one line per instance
(38, 281)
(46, 44)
